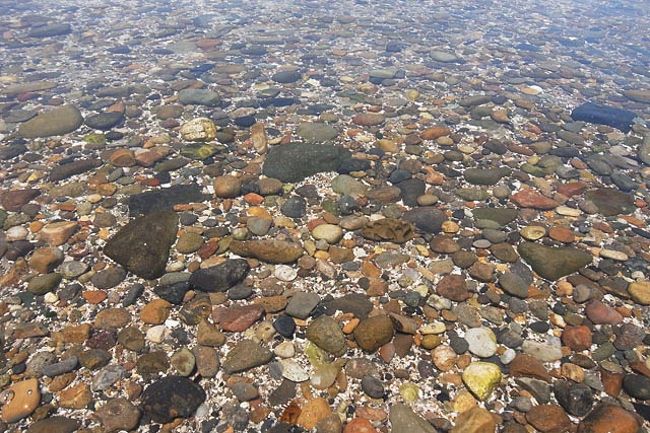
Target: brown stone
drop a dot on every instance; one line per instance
(155, 312)
(227, 186)
(434, 132)
(13, 201)
(374, 332)
(526, 365)
(45, 259)
(549, 418)
(75, 397)
(453, 287)
(608, 418)
(112, 318)
(123, 158)
(530, 198)
(368, 119)
(312, 412)
(600, 313)
(237, 318)
(475, 420)
(577, 337)
(58, 233)
(359, 425)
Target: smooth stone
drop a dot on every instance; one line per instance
(611, 202)
(317, 132)
(294, 162)
(24, 399)
(104, 121)
(426, 219)
(330, 233)
(514, 285)
(54, 424)
(474, 420)
(118, 414)
(199, 129)
(404, 420)
(199, 97)
(302, 304)
(268, 250)
(374, 332)
(482, 342)
(58, 121)
(604, 115)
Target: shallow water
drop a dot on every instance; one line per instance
(352, 216)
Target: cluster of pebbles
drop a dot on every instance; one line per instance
(354, 216)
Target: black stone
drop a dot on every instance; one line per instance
(604, 115)
(575, 398)
(221, 277)
(164, 199)
(173, 293)
(171, 397)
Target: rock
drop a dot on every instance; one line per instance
(325, 333)
(485, 176)
(553, 263)
(14, 200)
(118, 414)
(474, 420)
(426, 219)
(604, 115)
(296, 161)
(199, 129)
(75, 397)
(58, 121)
(42, 284)
(293, 371)
(611, 202)
(199, 97)
(24, 398)
(609, 418)
(44, 260)
(577, 337)
(267, 250)
(142, 246)
(600, 313)
(104, 121)
(207, 360)
(368, 119)
(238, 318)
(164, 199)
(313, 412)
(388, 230)
(302, 304)
(644, 150)
(404, 420)
(502, 216)
(227, 186)
(259, 138)
(183, 361)
(155, 312)
(221, 277)
(443, 56)
(482, 342)
(171, 397)
(374, 332)
(638, 95)
(54, 424)
(435, 132)
(58, 233)
(637, 386)
(640, 292)
(544, 351)
(286, 77)
(294, 207)
(317, 132)
(245, 355)
(481, 378)
(69, 169)
(348, 185)
(548, 418)
(575, 398)
(453, 287)
(514, 285)
(330, 233)
(529, 198)
(50, 30)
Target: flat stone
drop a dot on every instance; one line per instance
(164, 199)
(294, 162)
(553, 263)
(58, 121)
(70, 169)
(611, 202)
(118, 414)
(221, 277)
(199, 97)
(302, 304)
(142, 246)
(54, 424)
(502, 216)
(25, 397)
(404, 420)
(245, 355)
(609, 418)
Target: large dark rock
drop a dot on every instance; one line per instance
(611, 202)
(164, 199)
(427, 219)
(221, 277)
(142, 246)
(171, 397)
(294, 162)
(604, 115)
(104, 121)
(553, 263)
